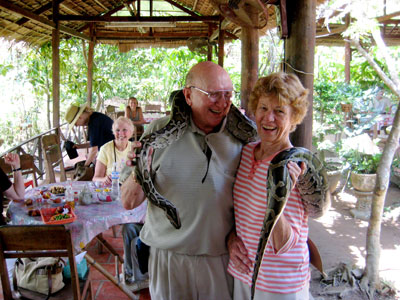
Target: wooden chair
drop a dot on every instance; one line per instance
(52, 157)
(27, 166)
(41, 241)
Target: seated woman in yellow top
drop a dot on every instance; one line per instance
(114, 151)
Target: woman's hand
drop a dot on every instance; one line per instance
(238, 253)
(12, 159)
(131, 154)
(107, 180)
(295, 171)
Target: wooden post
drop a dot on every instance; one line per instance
(90, 68)
(55, 45)
(347, 55)
(221, 45)
(209, 46)
(347, 59)
(250, 41)
(299, 59)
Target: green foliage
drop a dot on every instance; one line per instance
(362, 163)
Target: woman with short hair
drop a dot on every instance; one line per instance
(279, 103)
(115, 151)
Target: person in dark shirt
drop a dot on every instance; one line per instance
(99, 128)
(11, 190)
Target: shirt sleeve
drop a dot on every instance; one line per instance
(5, 182)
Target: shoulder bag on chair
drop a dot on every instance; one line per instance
(43, 275)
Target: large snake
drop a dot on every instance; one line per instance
(237, 124)
(313, 188)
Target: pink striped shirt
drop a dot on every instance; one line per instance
(285, 271)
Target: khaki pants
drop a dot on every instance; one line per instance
(188, 277)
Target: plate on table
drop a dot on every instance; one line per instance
(57, 190)
(53, 215)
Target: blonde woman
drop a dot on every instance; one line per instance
(134, 112)
(114, 151)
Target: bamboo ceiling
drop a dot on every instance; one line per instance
(163, 23)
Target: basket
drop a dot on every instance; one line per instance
(47, 213)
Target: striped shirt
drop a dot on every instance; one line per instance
(283, 271)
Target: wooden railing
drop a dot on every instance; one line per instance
(32, 146)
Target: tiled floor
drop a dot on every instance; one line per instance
(103, 289)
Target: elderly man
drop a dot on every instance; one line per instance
(196, 174)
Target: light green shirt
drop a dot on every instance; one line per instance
(205, 209)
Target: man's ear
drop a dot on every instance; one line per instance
(188, 95)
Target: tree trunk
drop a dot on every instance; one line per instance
(370, 281)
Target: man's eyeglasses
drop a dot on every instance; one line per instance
(214, 96)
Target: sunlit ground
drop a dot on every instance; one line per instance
(347, 236)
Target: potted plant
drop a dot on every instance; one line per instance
(363, 169)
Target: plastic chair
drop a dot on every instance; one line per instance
(41, 241)
(52, 157)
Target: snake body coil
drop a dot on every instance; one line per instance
(237, 124)
(313, 188)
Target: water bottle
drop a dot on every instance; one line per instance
(114, 182)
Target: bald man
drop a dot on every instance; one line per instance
(196, 173)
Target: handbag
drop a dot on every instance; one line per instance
(42, 275)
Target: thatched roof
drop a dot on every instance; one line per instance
(166, 23)
(163, 23)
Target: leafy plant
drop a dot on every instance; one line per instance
(362, 163)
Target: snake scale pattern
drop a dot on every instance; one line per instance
(313, 188)
(237, 124)
(312, 185)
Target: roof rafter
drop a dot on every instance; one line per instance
(73, 18)
(30, 15)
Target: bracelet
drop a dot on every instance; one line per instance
(16, 170)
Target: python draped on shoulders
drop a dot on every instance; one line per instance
(237, 124)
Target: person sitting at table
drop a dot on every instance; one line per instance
(99, 128)
(114, 151)
(134, 112)
(11, 190)
(382, 104)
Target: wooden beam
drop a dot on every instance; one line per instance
(86, 18)
(40, 10)
(182, 8)
(109, 13)
(90, 67)
(387, 17)
(55, 46)
(116, 35)
(221, 45)
(209, 46)
(30, 15)
(299, 59)
(249, 56)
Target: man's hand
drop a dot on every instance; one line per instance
(238, 253)
(131, 154)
